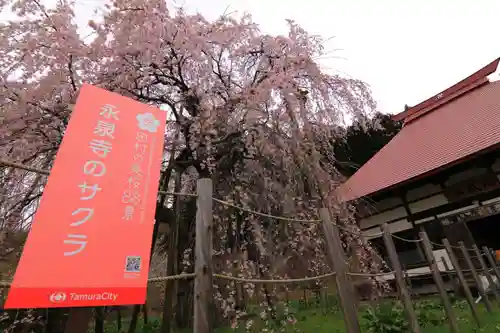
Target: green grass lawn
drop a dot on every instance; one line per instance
(329, 320)
(315, 323)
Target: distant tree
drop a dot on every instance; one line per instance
(359, 142)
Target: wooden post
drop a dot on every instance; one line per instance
(486, 272)
(407, 280)
(203, 300)
(400, 280)
(492, 262)
(427, 247)
(462, 280)
(78, 320)
(450, 275)
(475, 276)
(494, 256)
(338, 261)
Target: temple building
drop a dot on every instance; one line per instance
(440, 173)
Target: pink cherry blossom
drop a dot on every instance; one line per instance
(254, 112)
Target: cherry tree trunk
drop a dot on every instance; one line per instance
(145, 313)
(185, 288)
(172, 261)
(56, 320)
(184, 306)
(119, 319)
(135, 319)
(99, 320)
(137, 308)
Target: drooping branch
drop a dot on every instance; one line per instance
(238, 114)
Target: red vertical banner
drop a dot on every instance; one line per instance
(90, 240)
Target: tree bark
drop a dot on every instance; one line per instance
(119, 319)
(145, 313)
(185, 288)
(78, 320)
(184, 308)
(56, 320)
(99, 320)
(135, 318)
(269, 299)
(137, 308)
(172, 260)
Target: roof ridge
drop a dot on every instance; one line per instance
(483, 75)
(442, 100)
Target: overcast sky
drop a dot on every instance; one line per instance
(406, 50)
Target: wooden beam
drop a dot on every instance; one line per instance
(203, 300)
(338, 261)
(479, 285)
(400, 280)
(462, 280)
(438, 280)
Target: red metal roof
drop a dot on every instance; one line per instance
(448, 94)
(463, 122)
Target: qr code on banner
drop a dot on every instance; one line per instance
(133, 264)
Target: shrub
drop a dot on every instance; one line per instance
(390, 317)
(385, 318)
(430, 312)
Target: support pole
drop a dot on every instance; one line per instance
(203, 295)
(492, 262)
(486, 272)
(463, 281)
(400, 280)
(338, 261)
(475, 276)
(438, 280)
